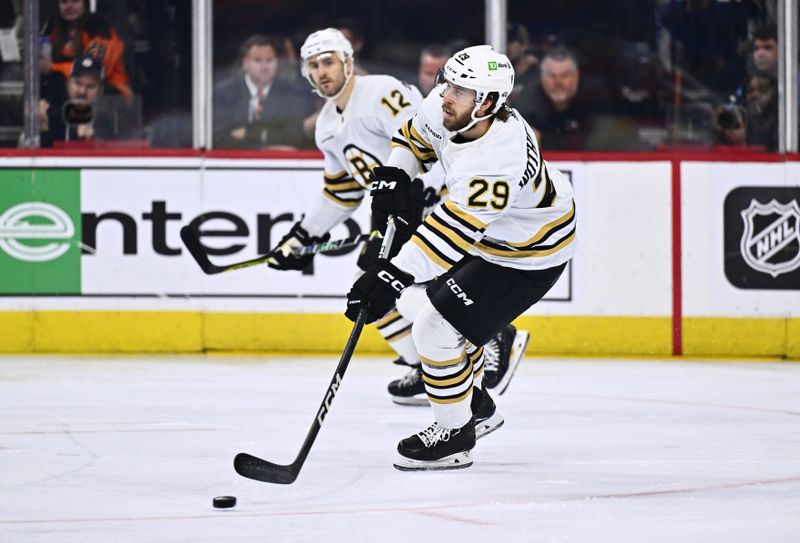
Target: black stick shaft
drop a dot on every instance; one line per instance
(268, 472)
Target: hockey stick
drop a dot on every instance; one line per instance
(198, 252)
(253, 467)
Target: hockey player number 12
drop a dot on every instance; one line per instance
(397, 104)
(480, 197)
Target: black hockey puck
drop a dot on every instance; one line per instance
(224, 502)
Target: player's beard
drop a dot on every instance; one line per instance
(458, 121)
(332, 90)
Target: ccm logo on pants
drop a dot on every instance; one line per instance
(460, 294)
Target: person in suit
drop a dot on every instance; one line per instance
(255, 109)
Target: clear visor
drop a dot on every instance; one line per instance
(454, 92)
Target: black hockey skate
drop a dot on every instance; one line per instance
(410, 390)
(400, 361)
(484, 413)
(437, 448)
(501, 356)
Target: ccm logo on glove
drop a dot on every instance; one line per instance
(383, 185)
(393, 282)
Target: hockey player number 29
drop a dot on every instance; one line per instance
(396, 104)
(481, 198)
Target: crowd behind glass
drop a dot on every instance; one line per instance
(624, 75)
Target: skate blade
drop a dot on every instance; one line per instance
(489, 425)
(517, 352)
(454, 461)
(411, 400)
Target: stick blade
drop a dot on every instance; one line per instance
(255, 468)
(191, 241)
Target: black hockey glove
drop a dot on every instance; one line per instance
(297, 238)
(377, 290)
(393, 193)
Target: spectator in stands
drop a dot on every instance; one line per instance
(562, 108)
(526, 64)
(764, 46)
(762, 111)
(254, 109)
(431, 60)
(74, 32)
(755, 123)
(78, 117)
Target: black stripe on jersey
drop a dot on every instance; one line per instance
(401, 332)
(549, 193)
(425, 163)
(467, 226)
(438, 398)
(339, 181)
(476, 355)
(343, 201)
(442, 236)
(438, 222)
(334, 177)
(499, 246)
(540, 247)
(421, 148)
(549, 234)
(432, 248)
(538, 180)
(452, 380)
(394, 318)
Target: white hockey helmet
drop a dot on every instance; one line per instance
(483, 70)
(327, 40)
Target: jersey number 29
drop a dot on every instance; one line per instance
(480, 197)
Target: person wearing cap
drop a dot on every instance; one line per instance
(495, 246)
(75, 118)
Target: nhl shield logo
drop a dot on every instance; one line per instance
(771, 239)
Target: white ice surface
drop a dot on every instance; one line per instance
(134, 449)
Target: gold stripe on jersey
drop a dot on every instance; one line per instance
(456, 237)
(431, 252)
(465, 217)
(334, 176)
(390, 317)
(347, 202)
(476, 360)
(476, 355)
(450, 381)
(438, 240)
(424, 149)
(442, 363)
(343, 189)
(546, 230)
(546, 250)
(403, 332)
(343, 186)
(408, 138)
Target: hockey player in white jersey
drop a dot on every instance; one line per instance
(353, 131)
(495, 246)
